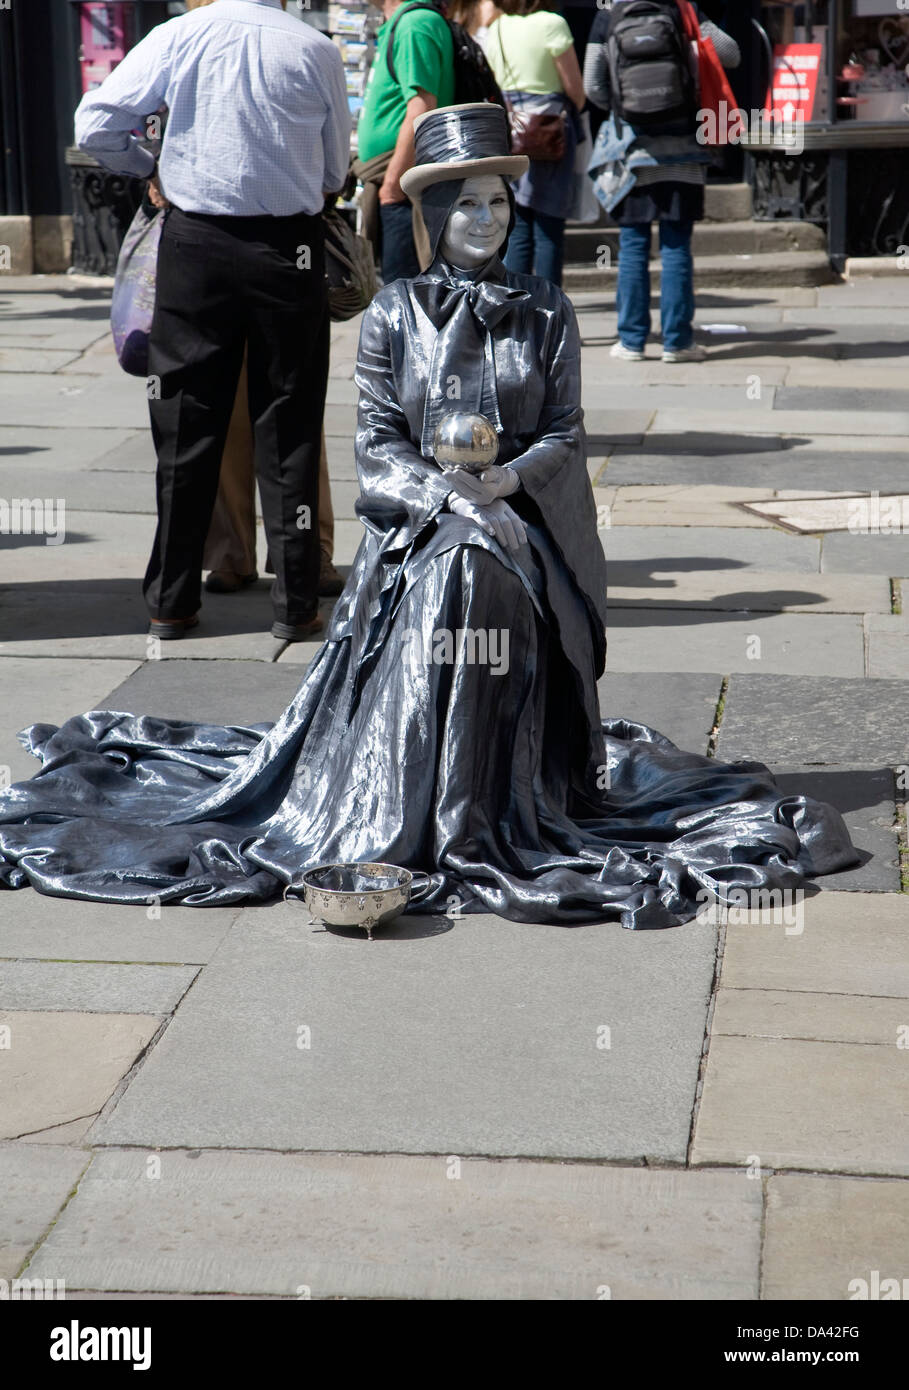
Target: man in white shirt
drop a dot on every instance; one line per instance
(258, 129)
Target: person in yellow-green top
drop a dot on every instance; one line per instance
(531, 52)
(422, 56)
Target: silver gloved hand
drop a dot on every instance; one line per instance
(495, 481)
(496, 518)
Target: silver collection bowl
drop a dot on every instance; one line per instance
(462, 440)
(356, 895)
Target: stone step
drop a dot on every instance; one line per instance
(727, 202)
(710, 239)
(712, 272)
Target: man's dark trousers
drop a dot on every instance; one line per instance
(223, 282)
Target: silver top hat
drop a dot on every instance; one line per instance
(460, 142)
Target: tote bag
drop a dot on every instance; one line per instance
(713, 84)
(133, 299)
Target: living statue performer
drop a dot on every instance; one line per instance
(450, 722)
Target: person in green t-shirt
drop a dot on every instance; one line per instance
(423, 57)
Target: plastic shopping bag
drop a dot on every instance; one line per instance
(133, 301)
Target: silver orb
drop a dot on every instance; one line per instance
(466, 441)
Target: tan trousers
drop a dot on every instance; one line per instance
(231, 541)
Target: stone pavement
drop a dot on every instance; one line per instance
(234, 1101)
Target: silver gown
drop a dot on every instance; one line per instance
(449, 723)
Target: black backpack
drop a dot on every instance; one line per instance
(473, 77)
(650, 72)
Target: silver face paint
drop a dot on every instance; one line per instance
(478, 223)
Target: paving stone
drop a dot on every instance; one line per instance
(597, 365)
(36, 359)
(834, 422)
(220, 692)
(34, 926)
(849, 374)
(681, 505)
(135, 453)
(847, 554)
(61, 1066)
(35, 1183)
(865, 798)
(344, 494)
(72, 1133)
(43, 399)
(61, 448)
(298, 654)
(430, 1055)
(93, 489)
(91, 987)
(340, 420)
(84, 620)
(796, 719)
(681, 705)
(854, 402)
(769, 468)
(888, 656)
(99, 357)
(668, 393)
(816, 1105)
(38, 690)
(730, 590)
(634, 554)
(887, 646)
(341, 463)
(694, 640)
(885, 293)
(108, 618)
(824, 1235)
(348, 535)
(96, 545)
(847, 317)
(768, 1013)
(402, 1227)
(616, 426)
(604, 497)
(55, 333)
(851, 945)
(341, 391)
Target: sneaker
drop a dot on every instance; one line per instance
(626, 354)
(695, 353)
(331, 584)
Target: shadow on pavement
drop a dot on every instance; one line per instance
(701, 442)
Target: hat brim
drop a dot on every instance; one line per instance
(510, 166)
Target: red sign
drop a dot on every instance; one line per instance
(794, 84)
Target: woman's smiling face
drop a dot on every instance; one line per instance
(478, 223)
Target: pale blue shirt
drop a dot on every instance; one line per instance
(258, 117)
